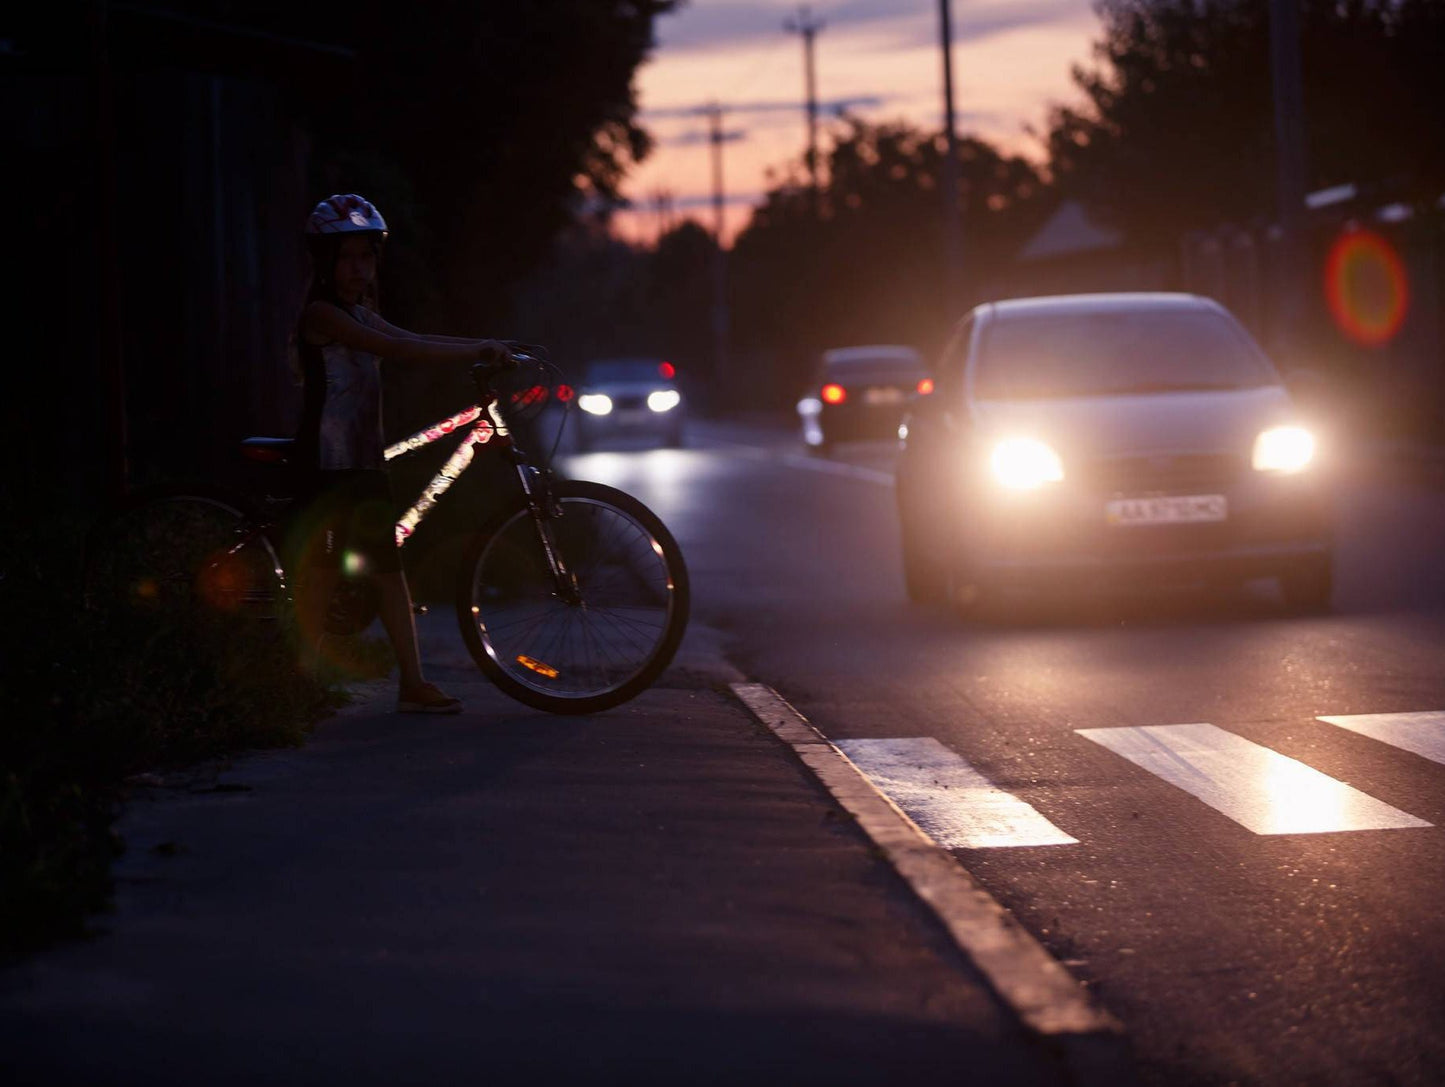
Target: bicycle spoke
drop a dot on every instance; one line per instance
(618, 627)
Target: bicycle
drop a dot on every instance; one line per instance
(572, 599)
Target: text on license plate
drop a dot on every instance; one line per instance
(1179, 509)
(882, 396)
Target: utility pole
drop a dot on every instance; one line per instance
(804, 23)
(952, 226)
(661, 200)
(719, 266)
(1290, 160)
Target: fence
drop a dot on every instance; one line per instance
(1370, 305)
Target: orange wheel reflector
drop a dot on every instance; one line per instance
(538, 667)
(834, 394)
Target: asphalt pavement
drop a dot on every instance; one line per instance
(663, 893)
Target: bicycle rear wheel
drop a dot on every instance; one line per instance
(179, 550)
(583, 651)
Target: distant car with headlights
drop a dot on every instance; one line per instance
(636, 399)
(860, 393)
(1127, 438)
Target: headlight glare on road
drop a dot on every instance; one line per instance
(595, 403)
(1022, 464)
(664, 400)
(1284, 449)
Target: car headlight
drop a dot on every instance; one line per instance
(1022, 464)
(664, 399)
(1284, 449)
(595, 403)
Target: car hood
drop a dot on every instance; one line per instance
(1194, 421)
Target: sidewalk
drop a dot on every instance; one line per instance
(657, 895)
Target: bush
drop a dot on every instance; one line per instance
(87, 701)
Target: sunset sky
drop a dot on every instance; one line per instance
(1011, 60)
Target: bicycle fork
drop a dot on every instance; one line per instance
(544, 508)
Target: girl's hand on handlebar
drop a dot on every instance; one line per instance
(495, 353)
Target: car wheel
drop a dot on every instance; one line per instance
(968, 597)
(968, 592)
(1309, 585)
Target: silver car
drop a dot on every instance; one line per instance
(636, 399)
(1126, 438)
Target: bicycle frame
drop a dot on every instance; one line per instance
(488, 426)
(484, 432)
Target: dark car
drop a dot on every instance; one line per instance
(636, 399)
(1124, 437)
(860, 393)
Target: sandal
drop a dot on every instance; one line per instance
(427, 699)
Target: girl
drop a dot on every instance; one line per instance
(341, 341)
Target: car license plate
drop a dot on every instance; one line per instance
(883, 396)
(1181, 509)
(631, 417)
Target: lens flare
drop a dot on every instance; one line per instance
(1367, 287)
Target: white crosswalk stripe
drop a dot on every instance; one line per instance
(950, 801)
(1420, 733)
(1258, 788)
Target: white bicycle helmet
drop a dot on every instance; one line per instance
(345, 213)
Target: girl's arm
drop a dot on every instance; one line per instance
(325, 323)
(426, 337)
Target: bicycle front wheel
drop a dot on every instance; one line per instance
(183, 550)
(602, 635)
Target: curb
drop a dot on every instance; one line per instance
(1050, 1003)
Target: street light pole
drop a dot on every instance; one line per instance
(1290, 158)
(719, 266)
(803, 23)
(952, 226)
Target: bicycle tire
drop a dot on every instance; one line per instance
(583, 657)
(175, 549)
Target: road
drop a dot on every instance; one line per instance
(1279, 922)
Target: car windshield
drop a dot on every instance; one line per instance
(1116, 354)
(875, 367)
(629, 370)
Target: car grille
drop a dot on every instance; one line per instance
(1164, 474)
(629, 402)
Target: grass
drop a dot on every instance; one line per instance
(87, 701)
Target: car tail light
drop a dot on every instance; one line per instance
(667, 370)
(925, 386)
(833, 394)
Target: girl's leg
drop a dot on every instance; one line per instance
(414, 693)
(397, 617)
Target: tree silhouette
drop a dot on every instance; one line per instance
(508, 122)
(1177, 129)
(870, 268)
